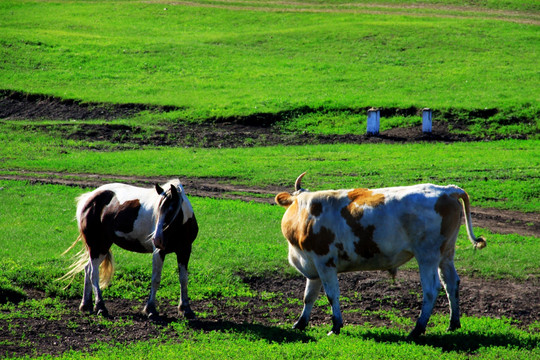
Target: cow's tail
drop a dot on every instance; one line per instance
(478, 242)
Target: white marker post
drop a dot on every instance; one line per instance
(373, 121)
(426, 120)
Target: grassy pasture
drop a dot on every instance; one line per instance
(37, 224)
(320, 61)
(223, 59)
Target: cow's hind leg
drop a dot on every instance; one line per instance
(450, 281)
(157, 266)
(313, 288)
(330, 283)
(430, 288)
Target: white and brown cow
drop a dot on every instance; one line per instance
(157, 220)
(330, 232)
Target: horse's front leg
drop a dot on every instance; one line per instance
(183, 306)
(157, 266)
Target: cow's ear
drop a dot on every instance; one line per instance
(159, 189)
(174, 193)
(284, 199)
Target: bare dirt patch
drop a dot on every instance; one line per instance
(365, 298)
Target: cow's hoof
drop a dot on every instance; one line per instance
(300, 324)
(151, 312)
(454, 326)
(190, 315)
(417, 332)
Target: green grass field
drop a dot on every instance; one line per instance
(319, 64)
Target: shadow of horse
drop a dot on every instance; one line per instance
(264, 332)
(268, 333)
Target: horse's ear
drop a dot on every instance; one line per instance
(159, 189)
(174, 192)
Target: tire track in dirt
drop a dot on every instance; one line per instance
(496, 220)
(414, 10)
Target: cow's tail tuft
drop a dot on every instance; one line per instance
(478, 242)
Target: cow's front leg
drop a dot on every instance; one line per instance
(150, 309)
(331, 287)
(183, 306)
(313, 288)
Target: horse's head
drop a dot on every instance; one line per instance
(167, 209)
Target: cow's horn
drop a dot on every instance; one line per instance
(297, 184)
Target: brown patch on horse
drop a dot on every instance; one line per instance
(91, 224)
(449, 208)
(126, 215)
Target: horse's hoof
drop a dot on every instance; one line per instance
(85, 308)
(101, 310)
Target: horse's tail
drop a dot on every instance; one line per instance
(82, 258)
(106, 270)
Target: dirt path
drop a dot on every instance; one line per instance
(420, 10)
(496, 220)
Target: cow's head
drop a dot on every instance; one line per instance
(166, 210)
(285, 199)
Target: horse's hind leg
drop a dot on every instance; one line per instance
(86, 303)
(99, 306)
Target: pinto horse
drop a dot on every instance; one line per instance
(137, 219)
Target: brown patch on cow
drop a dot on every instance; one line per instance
(330, 263)
(342, 255)
(284, 199)
(365, 246)
(449, 208)
(297, 228)
(362, 197)
(316, 208)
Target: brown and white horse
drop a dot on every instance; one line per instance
(137, 219)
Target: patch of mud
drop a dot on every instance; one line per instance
(16, 105)
(365, 296)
